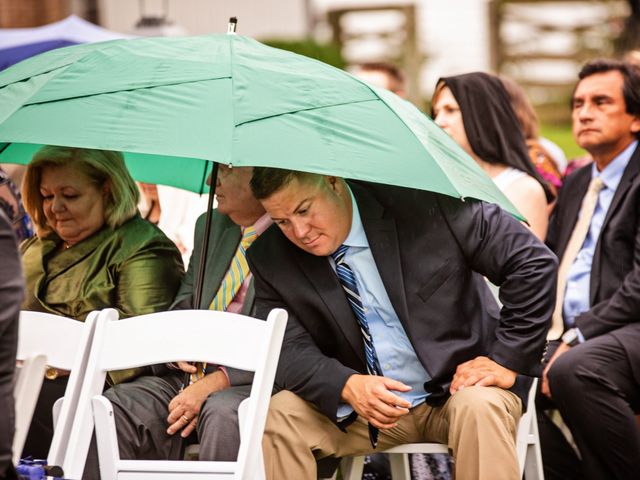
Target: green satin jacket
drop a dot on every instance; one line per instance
(135, 269)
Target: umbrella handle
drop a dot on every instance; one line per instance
(231, 27)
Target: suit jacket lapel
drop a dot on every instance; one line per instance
(628, 176)
(324, 280)
(383, 241)
(573, 204)
(222, 248)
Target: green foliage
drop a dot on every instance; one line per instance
(325, 52)
(560, 134)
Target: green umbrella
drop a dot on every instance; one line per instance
(175, 105)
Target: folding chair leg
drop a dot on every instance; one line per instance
(533, 461)
(400, 469)
(352, 468)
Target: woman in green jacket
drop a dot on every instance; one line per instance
(91, 251)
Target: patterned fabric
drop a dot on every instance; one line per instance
(348, 282)
(238, 270)
(231, 283)
(431, 466)
(11, 203)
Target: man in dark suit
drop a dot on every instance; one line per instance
(594, 375)
(11, 294)
(154, 414)
(393, 336)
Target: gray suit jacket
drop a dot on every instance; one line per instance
(432, 252)
(223, 243)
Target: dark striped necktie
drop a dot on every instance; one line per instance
(348, 282)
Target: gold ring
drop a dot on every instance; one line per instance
(185, 418)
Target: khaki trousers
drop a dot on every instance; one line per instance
(478, 423)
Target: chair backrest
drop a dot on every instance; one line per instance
(65, 344)
(229, 339)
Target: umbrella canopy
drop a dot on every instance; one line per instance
(174, 104)
(16, 44)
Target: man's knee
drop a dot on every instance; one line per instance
(485, 403)
(220, 408)
(562, 374)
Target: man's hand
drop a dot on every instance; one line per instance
(482, 372)
(544, 388)
(187, 367)
(370, 397)
(185, 407)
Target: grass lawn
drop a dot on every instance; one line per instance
(561, 135)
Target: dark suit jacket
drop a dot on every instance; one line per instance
(427, 248)
(223, 243)
(614, 293)
(11, 294)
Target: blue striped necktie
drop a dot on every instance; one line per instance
(348, 282)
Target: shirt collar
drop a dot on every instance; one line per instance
(261, 224)
(612, 173)
(356, 237)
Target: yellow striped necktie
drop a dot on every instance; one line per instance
(238, 271)
(231, 283)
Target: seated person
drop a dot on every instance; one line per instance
(153, 414)
(11, 203)
(393, 336)
(593, 377)
(476, 111)
(91, 251)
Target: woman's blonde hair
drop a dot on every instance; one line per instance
(100, 166)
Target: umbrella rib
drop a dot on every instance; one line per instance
(44, 102)
(310, 109)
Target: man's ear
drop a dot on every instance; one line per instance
(333, 182)
(635, 125)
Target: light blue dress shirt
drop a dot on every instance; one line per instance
(576, 297)
(395, 353)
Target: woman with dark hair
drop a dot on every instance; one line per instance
(476, 111)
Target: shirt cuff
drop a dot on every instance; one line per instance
(226, 374)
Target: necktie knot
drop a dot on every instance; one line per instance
(596, 185)
(338, 255)
(248, 236)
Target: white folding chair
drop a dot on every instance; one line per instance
(196, 335)
(527, 448)
(62, 343)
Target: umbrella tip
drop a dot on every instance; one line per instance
(231, 27)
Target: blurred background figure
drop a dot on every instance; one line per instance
(149, 204)
(11, 203)
(174, 211)
(11, 293)
(92, 250)
(546, 156)
(476, 111)
(383, 75)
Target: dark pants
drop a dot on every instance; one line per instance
(593, 387)
(141, 409)
(41, 429)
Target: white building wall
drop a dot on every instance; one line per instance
(453, 34)
(257, 18)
